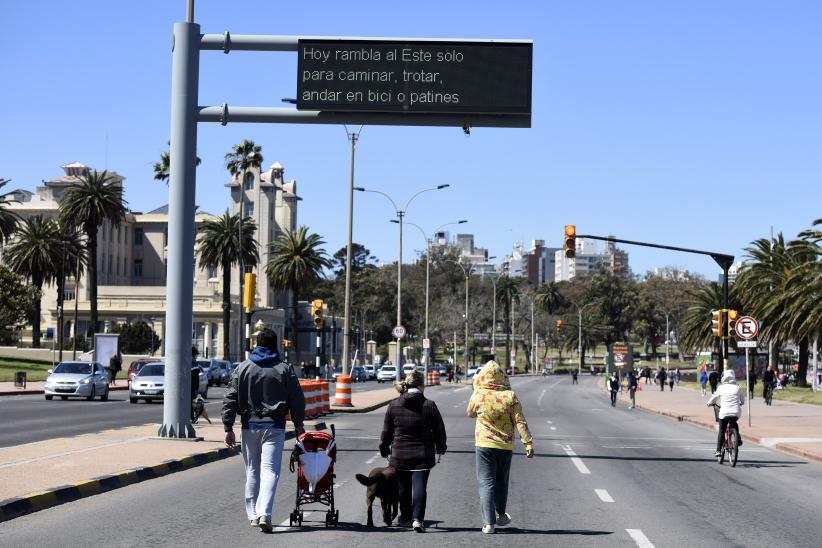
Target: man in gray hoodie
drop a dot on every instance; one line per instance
(262, 391)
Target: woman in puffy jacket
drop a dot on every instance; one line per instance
(730, 398)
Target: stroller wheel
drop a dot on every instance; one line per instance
(300, 518)
(336, 517)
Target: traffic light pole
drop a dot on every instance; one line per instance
(722, 259)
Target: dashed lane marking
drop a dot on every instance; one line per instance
(372, 459)
(576, 460)
(539, 401)
(603, 495)
(550, 422)
(553, 428)
(640, 538)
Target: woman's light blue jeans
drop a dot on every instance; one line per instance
(493, 467)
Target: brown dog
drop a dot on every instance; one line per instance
(382, 483)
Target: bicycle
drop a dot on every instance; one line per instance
(769, 394)
(731, 445)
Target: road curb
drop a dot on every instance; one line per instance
(27, 392)
(365, 409)
(41, 500)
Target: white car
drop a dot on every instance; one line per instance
(77, 379)
(388, 373)
(472, 371)
(370, 371)
(408, 368)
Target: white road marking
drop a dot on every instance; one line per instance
(550, 422)
(626, 446)
(539, 401)
(772, 442)
(603, 495)
(576, 460)
(372, 459)
(640, 538)
(553, 428)
(461, 389)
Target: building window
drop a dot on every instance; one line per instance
(249, 181)
(138, 268)
(249, 209)
(138, 236)
(68, 293)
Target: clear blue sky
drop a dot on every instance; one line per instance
(693, 123)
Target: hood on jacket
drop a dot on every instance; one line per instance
(264, 357)
(728, 377)
(492, 377)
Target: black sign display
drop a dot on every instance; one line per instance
(414, 76)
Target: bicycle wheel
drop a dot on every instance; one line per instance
(733, 450)
(721, 458)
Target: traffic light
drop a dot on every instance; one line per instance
(716, 322)
(317, 313)
(286, 343)
(730, 322)
(559, 325)
(249, 291)
(570, 241)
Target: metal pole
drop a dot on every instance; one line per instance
(465, 351)
(668, 342)
(748, 382)
(455, 357)
(494, 320)
(190, 11)
(76, 299)
(317, 360)
(241, 325)
(533, 363)
(725, 341)
(400, 214)
(579, 340)
(347, 305)
(182, 184)
(427, 277)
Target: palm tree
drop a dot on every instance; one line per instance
(88, 204)
(35, 252)
(161, 168)
(8, 219)
(696, 329)
(297, 260)
(507, 291)
(549, 298)
(72, 262)
(218, 245)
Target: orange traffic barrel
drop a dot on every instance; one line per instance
(343, 395)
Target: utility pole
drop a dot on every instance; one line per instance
(346, 357)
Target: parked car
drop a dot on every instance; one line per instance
(387, 373)
(202, 387)
(135, 366)
(472, 371)
(217, 370)
(149, 383)
(370, 371)
(77, 379)
(358, 374)
(407, 368)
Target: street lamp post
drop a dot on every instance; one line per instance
(579, 335)
(427, 351)
(467, 273)
(400, 215)
(352, 136)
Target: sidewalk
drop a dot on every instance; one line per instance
(363, 402)
(794, 428)
(36, 387)
(47, 473)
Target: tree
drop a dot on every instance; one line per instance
(360, 258)
(549, 297)
(297, 260)
(35, 254)
(507, 291)
(615, 298)
(18, 301)
(136, 338)
(242, 157)
(219, 245)
(161, 168)
(96, 199)
(696, 331)
(8, 219)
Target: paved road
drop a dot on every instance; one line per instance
(31, 418)
(601, 477)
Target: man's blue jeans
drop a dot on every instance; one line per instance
(262, 452)
(493, 467)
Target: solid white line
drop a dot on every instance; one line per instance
(640, 538)
(576, 460)
(539, 401)
(603, 495)
(553, 428)
(550, 422)
(372, 459)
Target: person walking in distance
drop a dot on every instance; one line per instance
(661, 375)
(703, 379)
(413, 431)
(613, 387)
(574, 375)
(671, 379)
(768, 379)
(114, 366)
(497, 410)
(713, 379)
(632, 385)
(751, 382)
(262, 391)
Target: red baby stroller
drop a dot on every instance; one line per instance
(314, 456)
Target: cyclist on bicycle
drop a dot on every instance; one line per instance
(730, 399)
(768, 380)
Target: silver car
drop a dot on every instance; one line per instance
(77, 379)
(149, 383)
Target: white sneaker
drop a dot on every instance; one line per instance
(487, 529)
(418, 526)
(504, 519)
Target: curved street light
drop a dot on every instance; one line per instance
(400, 214)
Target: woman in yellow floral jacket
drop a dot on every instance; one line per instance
(497, 410)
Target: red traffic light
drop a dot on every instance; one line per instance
(569, 245)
